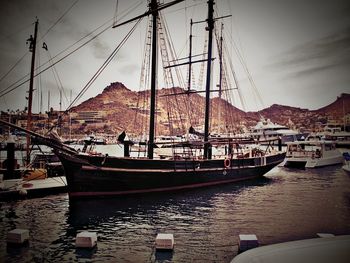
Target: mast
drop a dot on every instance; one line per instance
(59, 115)
(220, 77)
(70, 118)
(154, 7)
(32, 48)
(207, 151)
(190, 60)
(344, 122)
(154, 10)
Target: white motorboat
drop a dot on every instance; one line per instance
(311, 154)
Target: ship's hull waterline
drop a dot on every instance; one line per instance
(91, 176)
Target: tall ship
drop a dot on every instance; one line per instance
(193, 166)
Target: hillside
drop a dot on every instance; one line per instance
(311, 119)
(123, 109)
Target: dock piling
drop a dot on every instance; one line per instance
(86, 239)
(165, 241)
(247, 242)
(18, 236)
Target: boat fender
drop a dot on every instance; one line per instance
(104, 159)
(22, 192)
(227, 163)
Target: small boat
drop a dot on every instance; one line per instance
(92, 139)
(44, 175)
(312, 154)
(48, 162)
(12, 189)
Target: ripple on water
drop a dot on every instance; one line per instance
(285, 205)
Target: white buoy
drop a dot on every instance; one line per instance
(18, 236)
(325, 235)
(165, 241)
(86, 239)
(22, 192)
(247, 242)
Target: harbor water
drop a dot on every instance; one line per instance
(286, 204)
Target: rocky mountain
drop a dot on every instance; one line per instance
(311, 119)
(118, 108)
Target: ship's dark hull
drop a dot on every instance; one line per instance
(89, 176)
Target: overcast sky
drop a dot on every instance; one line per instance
(297, 51)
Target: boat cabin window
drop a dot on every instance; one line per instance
(295, 147)
(292, 148)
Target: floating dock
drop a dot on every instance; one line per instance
(13, 189)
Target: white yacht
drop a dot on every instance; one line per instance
(341, 138)
(265, 129)
(336, 134)
(311, 154)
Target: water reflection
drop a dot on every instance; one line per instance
(131, 224)
(85, 253)
(163, 256)
(182, 206)
(205, 222)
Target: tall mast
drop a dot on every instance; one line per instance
(32, 48)
(190, 60)
(210, 28)
(220, 77)
(154, 69)
(154, 7)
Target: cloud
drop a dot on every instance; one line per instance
(129, 69)
(316, 56)
(101, 50)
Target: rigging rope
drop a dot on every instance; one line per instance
(177, 99)
(20, 82)
(12, 68)
(245, 67)
(60, 18)
(8, 90)
(18, 31)
(116, 12)
(104, 65)
(143, 82)
(201, 72)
